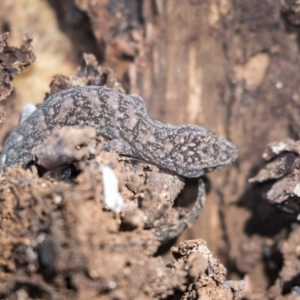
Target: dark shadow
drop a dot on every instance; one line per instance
(291, 28)
(76, 25)
(187, 196)
(33, 290)
(267, 221)
(47, 257)
(292, 284)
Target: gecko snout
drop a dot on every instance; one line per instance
(226, 153)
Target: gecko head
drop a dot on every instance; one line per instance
(224, 152)
(202, 151)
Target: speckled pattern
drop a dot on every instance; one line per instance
(186, 150)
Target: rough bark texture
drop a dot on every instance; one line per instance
(12, 62)
(229, 65)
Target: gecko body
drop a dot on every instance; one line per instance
(186, 150)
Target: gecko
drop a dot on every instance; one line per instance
(186, 150)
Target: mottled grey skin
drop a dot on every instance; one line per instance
(187, 150)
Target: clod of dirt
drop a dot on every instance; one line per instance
(283, 166)
(206, 273)
(64, 146)
(59, 242)
(90, 73)
(292, 9)
(280, 166)
(12, 61)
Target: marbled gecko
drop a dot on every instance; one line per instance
(186, 150)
